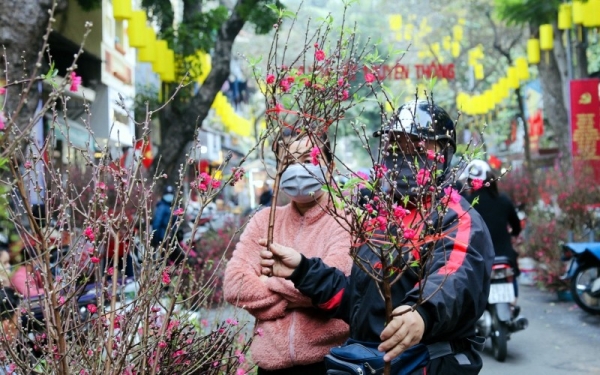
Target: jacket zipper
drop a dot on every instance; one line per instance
(292, 332)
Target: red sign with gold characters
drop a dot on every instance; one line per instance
(585, 122)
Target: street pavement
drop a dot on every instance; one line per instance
(561, 339)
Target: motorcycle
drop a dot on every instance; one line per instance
(499, 320)
(584, 273)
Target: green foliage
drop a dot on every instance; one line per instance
(146, 95)
(161, 11)
(533, 12)
(89, 5)
(258, 15)
(197, 33)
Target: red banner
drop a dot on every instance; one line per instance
(585, 122)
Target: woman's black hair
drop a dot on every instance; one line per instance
(323, 142)
(9, 302)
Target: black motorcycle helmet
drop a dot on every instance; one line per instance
(426, 121)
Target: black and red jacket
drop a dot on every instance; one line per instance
(456, 288)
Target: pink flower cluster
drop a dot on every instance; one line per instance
(205, 182)
(314, 155)
(237, 175)
(75, 82)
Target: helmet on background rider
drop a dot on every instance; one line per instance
(478, 170)
(425, 120)
(168, 194)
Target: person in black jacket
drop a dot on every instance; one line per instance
(497, 211)
(457, 277)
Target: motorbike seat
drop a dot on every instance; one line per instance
(501, 260)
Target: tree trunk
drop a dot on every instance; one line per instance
(555, 113)
(180, 126)
(22, 29)
(581, 53)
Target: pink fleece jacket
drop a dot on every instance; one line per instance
(294, 332)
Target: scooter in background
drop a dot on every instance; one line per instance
(500, 320)
(584, 272)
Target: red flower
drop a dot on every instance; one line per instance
(400, 213)
(95, 260)
(476, 183)
(178, 211)
(166, 279)
(369, 78)
(285, 85)
(380, 170)
(2, 90)
(320, 55)
(92, 308)
(430, 154)
(215, 184)
(89, 233)
(307, 82)
(409, 234)
(314, 155)
(345, 95)
(290, 79)
(452, 194)
(423, 177)
(270, 79)
(75, 82)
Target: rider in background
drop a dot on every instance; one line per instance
(497, 211)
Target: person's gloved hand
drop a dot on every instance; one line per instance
(278, 260)
(401, 333)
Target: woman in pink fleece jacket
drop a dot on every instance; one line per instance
(295, 335)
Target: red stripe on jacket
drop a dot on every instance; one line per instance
(333, 302)
(461, 241)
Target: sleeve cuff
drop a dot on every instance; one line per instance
(426, 318)
(300, 271)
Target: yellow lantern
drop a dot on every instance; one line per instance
(457, 33)
(169, 73)
(122, 9)
(408, 31)
(395, 22)
(461, 99)
(159, 65)
(565, 16)
(480, 106)
(513, 78)
(577, 12)
(455, 49)
(533, 51)
(522, 68)
(205, 66)
(496, 94)
(546, 37)
(479, 75)
(503, 88)
(591, 13)
(136, 29)
(148, 53)
(447, 43)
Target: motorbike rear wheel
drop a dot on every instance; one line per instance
(499, 339)
(581, 284)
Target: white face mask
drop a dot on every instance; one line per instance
(299, 183)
